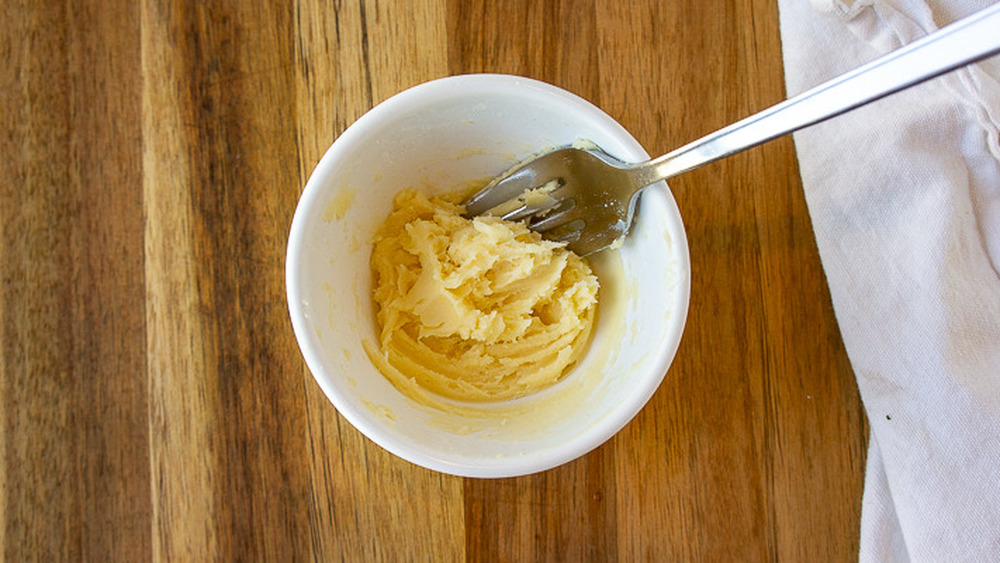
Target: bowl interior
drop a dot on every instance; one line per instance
(443, 136)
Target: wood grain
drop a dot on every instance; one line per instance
(75, 475)
(154, 402)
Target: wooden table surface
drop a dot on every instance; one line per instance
(155, 404)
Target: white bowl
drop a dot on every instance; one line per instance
(445, 135)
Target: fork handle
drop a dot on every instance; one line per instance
(966, 41)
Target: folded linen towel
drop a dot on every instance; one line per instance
(904, 196)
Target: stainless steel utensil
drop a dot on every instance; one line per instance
(587, 197)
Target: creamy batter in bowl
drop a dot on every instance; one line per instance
(445, 136)
(475, 310)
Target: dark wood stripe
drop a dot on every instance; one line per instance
(236, 65)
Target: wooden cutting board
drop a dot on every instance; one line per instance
(154, 402)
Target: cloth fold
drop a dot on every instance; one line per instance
(904, 196)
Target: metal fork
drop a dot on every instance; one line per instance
(587, 198)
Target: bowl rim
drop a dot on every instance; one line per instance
(587, 440)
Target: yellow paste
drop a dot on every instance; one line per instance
(475, 310)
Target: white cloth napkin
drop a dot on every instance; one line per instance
(904, 196)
